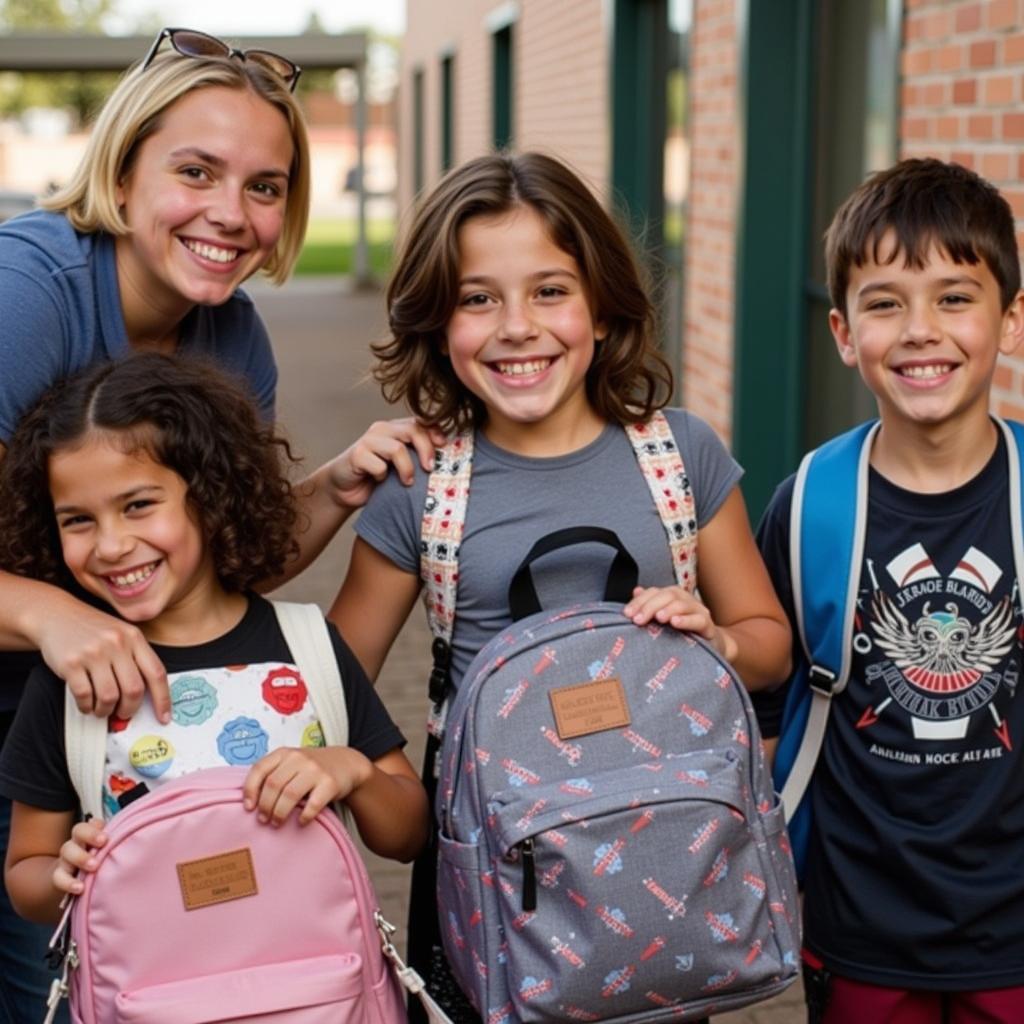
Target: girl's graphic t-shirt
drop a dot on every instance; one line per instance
(234, 700)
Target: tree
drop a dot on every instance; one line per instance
(79, 93)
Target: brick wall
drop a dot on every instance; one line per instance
(561, 54)
(963, 100)
(711, 228)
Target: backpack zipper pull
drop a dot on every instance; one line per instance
(529, 876)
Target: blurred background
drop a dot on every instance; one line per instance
(723, 132)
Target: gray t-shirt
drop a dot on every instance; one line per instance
(515, 500)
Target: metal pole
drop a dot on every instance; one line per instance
(362, 257)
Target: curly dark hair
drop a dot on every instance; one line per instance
(628, 378)
(186, 415)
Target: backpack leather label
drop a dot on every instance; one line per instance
(589, 707)
(217, 879)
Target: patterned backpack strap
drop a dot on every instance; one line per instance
(662, 466)
(444, 513)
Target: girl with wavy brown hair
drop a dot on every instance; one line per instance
(518, 316)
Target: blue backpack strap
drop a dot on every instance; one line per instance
(827, 524)
(1014, 434)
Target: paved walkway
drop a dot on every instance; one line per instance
(321, 333)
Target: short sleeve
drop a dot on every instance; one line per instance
(371, 729)
(32, 344)
(713, 472)
(773, 542)
(33, 765)
(390, 521)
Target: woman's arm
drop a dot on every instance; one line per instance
(372, 605)
(332, 493)
(33, 855)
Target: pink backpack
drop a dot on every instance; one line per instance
(197, 913)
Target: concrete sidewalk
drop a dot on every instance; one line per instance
(321, 331)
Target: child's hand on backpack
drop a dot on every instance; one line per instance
(279, 782)
(676, 607)
(77, 854)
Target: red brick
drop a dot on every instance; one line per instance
(965, 158)
(916, 128)
(938, 25)
(981, 126)
(915, 28)
(1003, 377)
(947, 128)
(995, 166)
(1013, 126)
(965, 90)
(1020, 166)
(1010, 410)
(917, 62)
(1015, 197)
(949, 58)
(983, 54)
(1000, 90)
(933, 94)
(1002, 14)
(1013, 49)
(968, 18)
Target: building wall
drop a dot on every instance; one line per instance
(962, 97)
(963, 100)
(711, 229)
(560, 82)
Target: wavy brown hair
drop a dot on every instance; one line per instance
(628, 378)
(186, 415)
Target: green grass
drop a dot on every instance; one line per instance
(331, 244)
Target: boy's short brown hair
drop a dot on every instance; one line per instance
(923, 202)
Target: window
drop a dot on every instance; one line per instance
(418, 163)
(447, 112)
(502, 88)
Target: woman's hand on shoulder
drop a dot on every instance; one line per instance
(105, 662)
(385, 445)
(78, 854)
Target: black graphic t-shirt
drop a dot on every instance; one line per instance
(915, 875)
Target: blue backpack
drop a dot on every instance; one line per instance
(827, 526)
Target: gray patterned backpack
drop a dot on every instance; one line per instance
(610, 846)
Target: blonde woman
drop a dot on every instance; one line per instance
(195, 178)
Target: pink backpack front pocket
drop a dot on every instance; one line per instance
(323, 990)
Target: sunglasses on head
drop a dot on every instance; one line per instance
(198, 44)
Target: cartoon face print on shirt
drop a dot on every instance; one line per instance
(284, 690)
(242, 741)
(193, 700)
(151, 756)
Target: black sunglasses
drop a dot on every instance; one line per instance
(198, 44)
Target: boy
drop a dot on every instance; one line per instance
(914, 889)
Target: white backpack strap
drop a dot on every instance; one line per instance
(662, 466)
(85, 745)
(305, 633)
(444, 514)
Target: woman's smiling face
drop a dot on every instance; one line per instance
(205, 200)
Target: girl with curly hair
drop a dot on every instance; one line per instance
(520, 322)
(151, 486)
